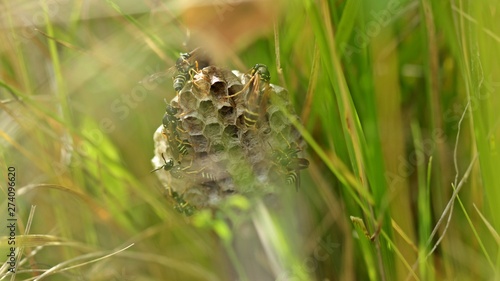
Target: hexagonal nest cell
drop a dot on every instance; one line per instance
(225, 133)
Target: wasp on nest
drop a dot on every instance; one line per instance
(224, 133)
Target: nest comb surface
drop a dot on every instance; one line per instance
(213, 152)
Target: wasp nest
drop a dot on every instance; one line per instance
(225, 132)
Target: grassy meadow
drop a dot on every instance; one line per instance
(397, 104)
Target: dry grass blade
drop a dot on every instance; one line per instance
(95, 257)
(490, 227)
(103, 213)
(404, 236)
(186, 267)
(311, 88)
(26, 232)
(451, 202)
(471, 19)
(35, 240)
(446, 211)
(277, 53)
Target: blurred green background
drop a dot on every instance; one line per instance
(397, 101)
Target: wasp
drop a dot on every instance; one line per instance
(181, 205)
(288, 158)
(169, 118)
(187, 65)
(184, 67)
(292, 178)
(257, 94)
(176, 171)
(171, 124)
(289, 163)
(208, 176)
(179, 172)
(167, 166)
